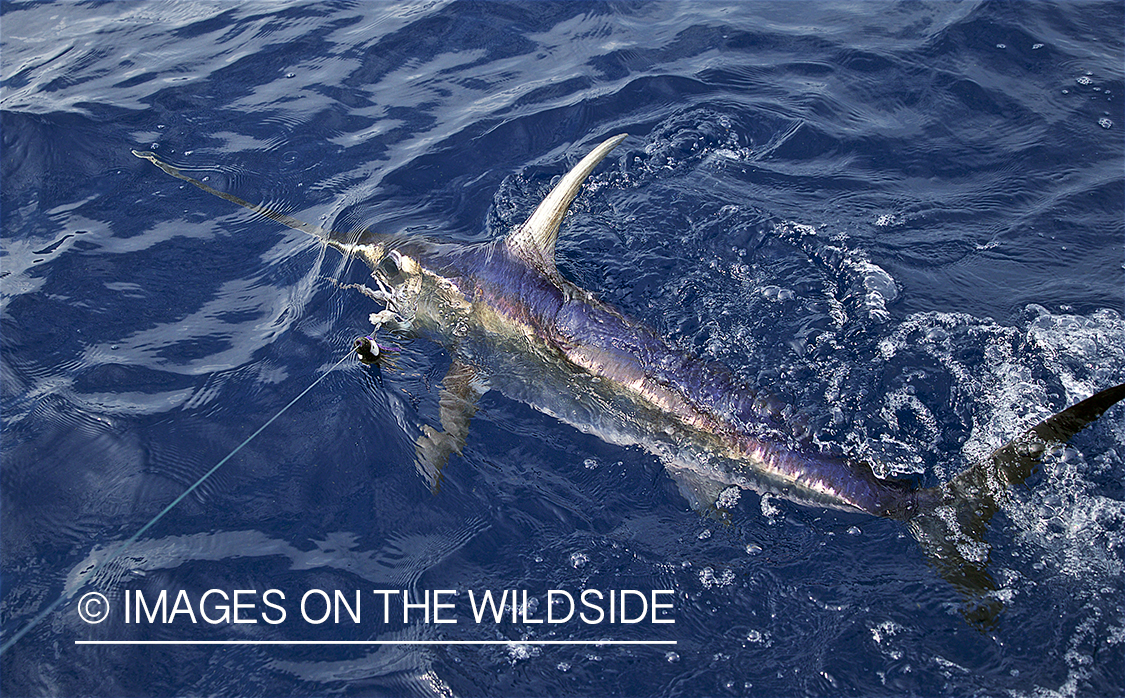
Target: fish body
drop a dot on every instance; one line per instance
(511, 322)
(544, 341)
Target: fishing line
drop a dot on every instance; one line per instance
(125, 546)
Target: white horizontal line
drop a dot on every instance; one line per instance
(375, 642)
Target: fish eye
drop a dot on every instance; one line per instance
(389, 268)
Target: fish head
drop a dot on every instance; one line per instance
(397, 275)
(412, 282)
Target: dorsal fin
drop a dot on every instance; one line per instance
(535, 239)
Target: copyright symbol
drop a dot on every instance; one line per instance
(93, 607)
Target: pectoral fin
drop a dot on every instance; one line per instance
(460, 390)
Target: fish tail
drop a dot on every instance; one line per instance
(951, 521)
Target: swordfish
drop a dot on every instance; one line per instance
(511, 322)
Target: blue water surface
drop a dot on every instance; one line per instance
(904, 220)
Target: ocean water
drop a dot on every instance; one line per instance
(904, 220)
